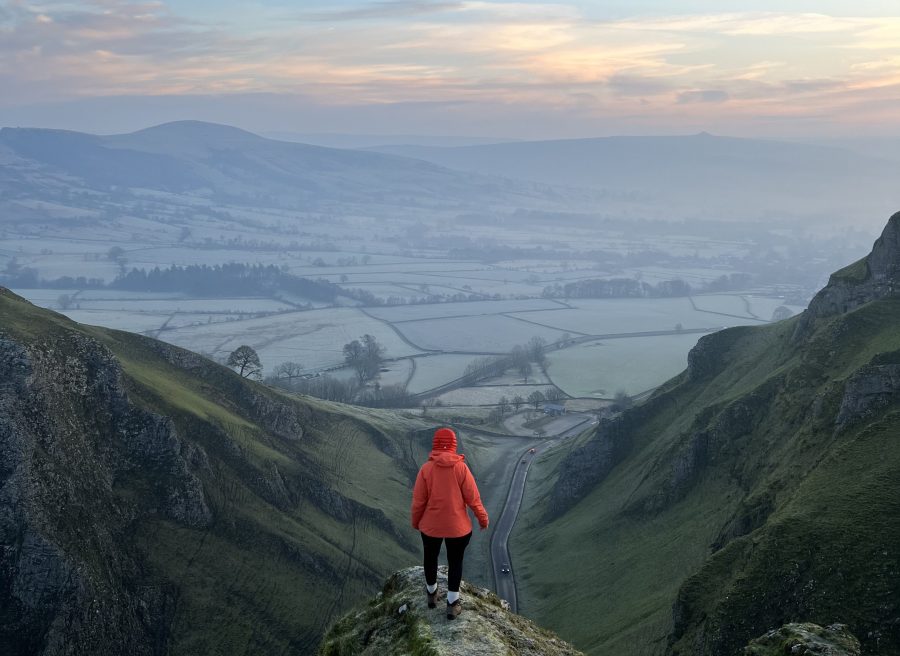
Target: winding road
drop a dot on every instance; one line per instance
(505, 582)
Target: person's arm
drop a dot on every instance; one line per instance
(420, 499)
(473, 499)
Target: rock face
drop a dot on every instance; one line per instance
(868, 390)
(68, 437)
(398, 622)
(153, 502)
(810, 639)
(875, 277)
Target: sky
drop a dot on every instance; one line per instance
(457, 67)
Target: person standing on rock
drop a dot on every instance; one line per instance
(443, 490)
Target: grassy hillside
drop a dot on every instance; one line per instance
(300, 507)
(757, 488)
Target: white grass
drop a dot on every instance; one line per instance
(397, 372)
(488, 395)
(233, 305)
(600, 369)
(435, 370)
(438, 310)
(313, 338)
(725, 303)
(614, 316)
(481, 334)
(134, 322)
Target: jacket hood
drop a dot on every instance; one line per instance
(445, 458)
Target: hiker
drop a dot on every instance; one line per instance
(444, 487)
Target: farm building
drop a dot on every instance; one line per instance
(554, 410)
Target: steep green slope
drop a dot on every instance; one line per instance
(759, 487)
(154, 502)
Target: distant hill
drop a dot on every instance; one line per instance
(341, 140)
(154, 502)
(758, 487)
(699, 175)
(229, 165)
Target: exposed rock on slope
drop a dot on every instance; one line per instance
(874, 277)
(805, 639)
(153, 502)
(398, 622)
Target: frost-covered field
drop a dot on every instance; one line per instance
(397, 373)
(438, 310)
(489, 395)
(635, 364)
(191, 305)
(314, 338)
(436, 370)
(627, 315)
(479, 334)
(133, 322)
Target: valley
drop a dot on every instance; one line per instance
(700, 378)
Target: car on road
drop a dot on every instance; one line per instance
(505, 568)
(532, 450)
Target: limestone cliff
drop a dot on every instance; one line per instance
(154, 502)
(398, 622)
(874, 277)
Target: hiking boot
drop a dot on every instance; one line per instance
(432, 597)
(454, 609)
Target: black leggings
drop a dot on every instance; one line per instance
(456, 549)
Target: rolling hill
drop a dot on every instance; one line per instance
(223, 164)
(758, 487)
(153, 502)
(699, 175)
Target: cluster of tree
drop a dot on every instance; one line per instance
(520, 359)
(14, 274)
(225, 280)
(535, 399)
(364, 356)
(617, 288)
(322, 386)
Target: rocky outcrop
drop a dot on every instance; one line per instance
(70, 443)
(874, 277)
(398, 622)
(870, 389)
(808, 639)
(588, 465)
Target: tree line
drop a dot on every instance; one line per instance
(234, 279)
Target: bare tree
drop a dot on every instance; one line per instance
(365, 357)
(503, 406)
(246, 360)
(517, 401)
(288, 371)
(535, 347)
(553, 394)
(536, 398)
(525, 369)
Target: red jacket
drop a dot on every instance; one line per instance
(444, 487)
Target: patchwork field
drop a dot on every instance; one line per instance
(627, 315)
(636, 364)
(478, 334)
(436, 370)
(474, 308)
(489, 394)
(445, 337)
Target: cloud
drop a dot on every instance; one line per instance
(545, 56)
(702, 96)
(384, 10)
